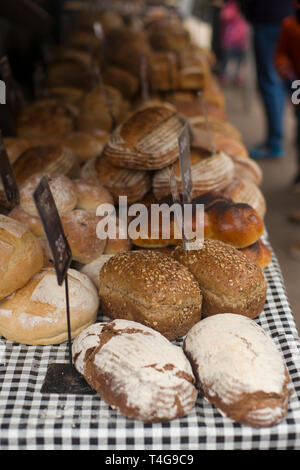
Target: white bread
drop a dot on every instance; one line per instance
(92, 270)
(136, 370)
(21, 256)
(36, 314)
(238, 369)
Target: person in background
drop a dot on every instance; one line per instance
(234, 41)
(287, 63)
(266, 16)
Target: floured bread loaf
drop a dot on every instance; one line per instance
(239, 370)
(151, 288)
(228, 280)
(136, 370)
(36, 314)
(21, 255)
(92, 270)
(91, 195)
(32, 223)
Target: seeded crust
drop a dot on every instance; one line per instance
(153, 289)
(228, 280)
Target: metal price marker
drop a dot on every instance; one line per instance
(7, 177)
(60, 378)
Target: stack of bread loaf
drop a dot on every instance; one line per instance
(96, 139)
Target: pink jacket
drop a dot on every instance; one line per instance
(235, 30)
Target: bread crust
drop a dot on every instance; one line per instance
(151, 288)
(227, 279)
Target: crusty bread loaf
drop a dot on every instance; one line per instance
(85, 145)
(92, 270)
(63, 190)
(259, 253)
(246, 192)
(136, 370)
(80, 229)
(91, 195)
(228, 280)
(21, 255)
(148, 140)
(36, 314)
(32, 223)
(150, 288)
(239, 369)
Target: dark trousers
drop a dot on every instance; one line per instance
(271, 87)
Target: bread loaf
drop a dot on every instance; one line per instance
(92, 270)
(91, 195)
(228, 280)
(21, 256)
(150, 288)
(239, 370)
(136, 370)
(259, 253)
(36, 314)
(32, 223)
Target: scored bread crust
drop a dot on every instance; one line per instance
(36, 314)
(136, 370)
(228, 280)
(151, 288)
(21, 255)
(239, 369)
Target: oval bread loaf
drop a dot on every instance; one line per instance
(136, 370)
(228, 280)
(150, 288)
(238, 369)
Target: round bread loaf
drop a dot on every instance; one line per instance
(36, 314)
(117, 244)
(229, 281)
(91, 195)
(80, 229)
(239, 369)
(151, 288)
(259, 253)
(85, 145)
(136, 370)
(63, 190)
(32, 223)
(21, 255)
(92, 270)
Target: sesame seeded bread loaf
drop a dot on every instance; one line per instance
(239, 369)
(150, 288)
(229, 281)
(136, 370)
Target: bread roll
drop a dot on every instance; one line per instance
(21, 255)
(91, 195)
(228, 281)
(148, 140)
(92, 270)
(259, 253)
(52, 159)
(136, 370)
(246, 192)
(80, 229)
(239, 369)
(32, 223)
(117, 245)
(85, 145)
(63, 190)
(150, 288)
(36, 314)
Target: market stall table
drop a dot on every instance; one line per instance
(32, 420)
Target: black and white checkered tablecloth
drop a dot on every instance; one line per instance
(31, 420)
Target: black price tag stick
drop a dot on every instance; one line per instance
(60, 378)
(7, 177)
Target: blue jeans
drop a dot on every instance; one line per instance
(271, 87)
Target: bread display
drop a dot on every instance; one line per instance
(136, 370)
(239, 369)
(228, 280)
(210, 172)
(21, 256)
(52, 159)
(148, 140)
(36, 313)
(80, 229)
(150, 288)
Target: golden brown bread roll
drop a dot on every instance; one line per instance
(239, 369)
(91, 195)
(21, 255)
(36, 314)
(85, 145)
(228, 280)
(259, 253)
(52, 159)
(148, 140)
(150, 288)
(152, 382)
(32, 223)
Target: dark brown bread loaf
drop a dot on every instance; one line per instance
(136, 370)
(153, 289)
(239, 370)
(228, 281)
